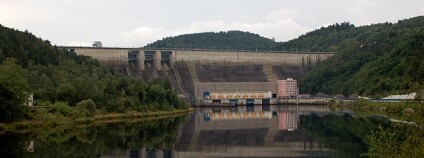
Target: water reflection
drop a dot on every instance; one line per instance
(252, 131)
(243, 131)
(137, 139)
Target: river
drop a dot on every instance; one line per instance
(243, 131)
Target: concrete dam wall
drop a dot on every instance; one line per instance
(193, 72)
(202, 56)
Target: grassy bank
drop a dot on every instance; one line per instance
(58, 120)
(407, 110)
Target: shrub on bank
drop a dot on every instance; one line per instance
(86, 107)
(360, 103)
(61, 108)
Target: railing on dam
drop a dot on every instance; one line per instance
(195, 49)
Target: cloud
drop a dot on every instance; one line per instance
(278, 24)
(283, 14)
(365, 12)
(79, 43)
(359, 14)
(146, 34)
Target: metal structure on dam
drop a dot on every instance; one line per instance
(193, 72)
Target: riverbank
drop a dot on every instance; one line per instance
(129, 116)
(410, 111)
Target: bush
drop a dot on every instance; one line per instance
(42, 103)
(360, 103)
(47, 117)
(61, 108)
(116, 105)
(86, 107)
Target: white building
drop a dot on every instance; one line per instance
(401, 97)
(97, 44)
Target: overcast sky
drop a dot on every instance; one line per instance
(134, 23)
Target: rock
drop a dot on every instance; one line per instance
(408, 111)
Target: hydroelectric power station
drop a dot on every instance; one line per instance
(243, 77)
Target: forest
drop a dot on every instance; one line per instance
(324, 39)
(69, 85)
(224, 40)
(374, 60)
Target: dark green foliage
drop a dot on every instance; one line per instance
(55, 75)
(324, 39)
(86, 107)
(374, 60)
(60, 108)
(25, 47)
(398, 71)
(405, 141)
(230, 40)
(13, 91)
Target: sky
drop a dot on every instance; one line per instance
(135, 23)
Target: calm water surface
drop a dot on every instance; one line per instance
(253, 131)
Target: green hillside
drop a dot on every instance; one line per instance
(232, 40)
(61, 80)
(325, 39)
(375, 60)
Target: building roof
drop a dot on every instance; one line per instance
(402, 96)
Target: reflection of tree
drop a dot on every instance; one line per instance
(97, 140)
(12, 145)
(345, 134)
(402, 141)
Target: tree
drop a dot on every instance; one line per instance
(235, 40)
(68, 93)
(13, 91)
(57, 75)
(87, 107)
(370, 60)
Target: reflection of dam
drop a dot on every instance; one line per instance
(249, 137)
(193, 72)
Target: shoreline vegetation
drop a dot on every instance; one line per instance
(411, 111)
(405, 136)
(67, 86)
(27, 125)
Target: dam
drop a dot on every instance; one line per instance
(196, 72)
